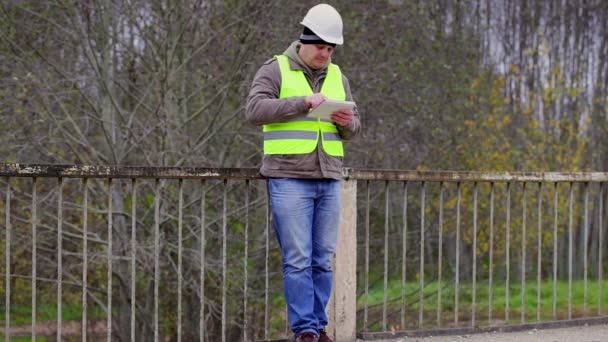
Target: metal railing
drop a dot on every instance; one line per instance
(430, 249)
(136, 253)
(139, 243)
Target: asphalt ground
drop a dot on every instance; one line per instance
(590, 333)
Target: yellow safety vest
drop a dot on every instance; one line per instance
(301, 135)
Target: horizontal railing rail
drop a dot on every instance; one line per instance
(473, 176)
(88, 171)
(145, 253)
(126, 172)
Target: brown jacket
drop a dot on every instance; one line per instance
(264, 107)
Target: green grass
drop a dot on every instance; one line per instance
(278, 323)
(22, 314)
(23, 338)
(465, 298)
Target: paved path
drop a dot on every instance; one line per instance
(594, 333)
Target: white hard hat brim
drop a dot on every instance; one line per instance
(325, 37)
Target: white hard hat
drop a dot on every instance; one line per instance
(325, 22)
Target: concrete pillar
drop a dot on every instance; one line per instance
(343, 302)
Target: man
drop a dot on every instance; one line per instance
(303, 163)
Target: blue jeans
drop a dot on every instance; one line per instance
(306, 214)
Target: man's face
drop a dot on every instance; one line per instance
(315, 56)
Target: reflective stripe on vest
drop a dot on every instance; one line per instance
(301, 135)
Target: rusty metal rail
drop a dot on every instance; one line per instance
(88, 171)
(473, 176)
(126, 172)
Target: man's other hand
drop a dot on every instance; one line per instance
(342, 117)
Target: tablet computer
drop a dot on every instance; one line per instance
(329, 106)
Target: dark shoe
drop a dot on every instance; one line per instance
(323, 337)
(307, 337)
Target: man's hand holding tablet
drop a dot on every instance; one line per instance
(341, 112)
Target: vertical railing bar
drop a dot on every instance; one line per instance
(179, 257)
(266, 269)
(570, 223)
(156, 255)
(491, 252)
(7, 263)
(404, 252)
(133, 255)
(539, 253)
(245, 262)
(286, 320)
(85, 257)
(457, 280)
(365, 309)
(201, 324)
(585, 242)
(59, 257)
(600, 269)
(474, 294)
(224, 257)
(35, 256)
(523, 254)
(385, 294)
(507, 252)
(422, 233)
(555, 209)
(440, 254)
(110, 228)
